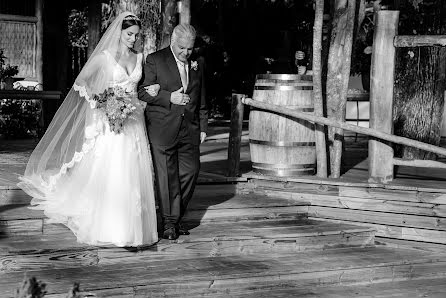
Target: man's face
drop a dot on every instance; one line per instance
(182, 48)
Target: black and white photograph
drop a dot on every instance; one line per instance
(222, 148)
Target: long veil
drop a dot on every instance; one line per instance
(73, 130)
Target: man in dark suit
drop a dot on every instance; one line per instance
(176, 123)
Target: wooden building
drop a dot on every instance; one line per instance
(21, 29)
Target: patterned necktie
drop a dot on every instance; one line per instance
(183, 75)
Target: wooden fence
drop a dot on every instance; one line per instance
(381, 157)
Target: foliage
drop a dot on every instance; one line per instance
(148, 12)
(416, 3)
(19, 118)
(31, 288)
(2, 57)
(78, 28)
(6, 70)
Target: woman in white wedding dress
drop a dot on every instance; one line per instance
(97, 182)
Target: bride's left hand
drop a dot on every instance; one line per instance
(153, 89)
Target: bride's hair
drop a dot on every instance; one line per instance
(130, 21)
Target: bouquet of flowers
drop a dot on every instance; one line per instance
(116, 104)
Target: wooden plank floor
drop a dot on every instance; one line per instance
(246, 244)
(222, 275)
(228, 255)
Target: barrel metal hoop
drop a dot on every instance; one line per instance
(285, 173)
(283, 82)
(283, 88)
(282, 143)
(278, 167)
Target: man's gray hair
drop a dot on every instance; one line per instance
(185, 31)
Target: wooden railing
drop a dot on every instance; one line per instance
(379, 135)
(381, 155)
(33, 95)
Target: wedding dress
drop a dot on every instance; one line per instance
(105, 193)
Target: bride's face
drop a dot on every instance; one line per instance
(130, 35)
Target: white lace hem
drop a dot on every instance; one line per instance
(77, 157)
(83, 93)
(90, 133)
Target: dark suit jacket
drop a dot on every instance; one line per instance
(163, 117)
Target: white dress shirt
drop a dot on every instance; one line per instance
(182, 67)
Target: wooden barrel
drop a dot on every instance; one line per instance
(280, 145)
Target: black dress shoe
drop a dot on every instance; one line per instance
(182, 230)
(170, 234)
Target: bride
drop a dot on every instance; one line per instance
(98, 182)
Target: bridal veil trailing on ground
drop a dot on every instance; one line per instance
(97, 182)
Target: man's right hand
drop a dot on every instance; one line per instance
(179, 98)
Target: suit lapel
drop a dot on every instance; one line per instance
(192, 78)
(173, 68)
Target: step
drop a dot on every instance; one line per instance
(20, 220)
(399, 213)
(267, 237)
(12, 195)
(227, 275)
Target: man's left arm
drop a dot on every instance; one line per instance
(203, 107)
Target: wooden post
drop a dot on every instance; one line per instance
(381, 94)
(94, 24)
(321, 148)
(39, 41)
(184, 9)
(235, 135)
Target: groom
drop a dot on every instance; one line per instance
(176, 123)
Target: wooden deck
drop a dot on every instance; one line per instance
(240, 246)
(260, 237)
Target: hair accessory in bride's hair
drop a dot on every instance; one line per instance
(131, 17)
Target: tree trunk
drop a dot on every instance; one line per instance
(420, 80)
(338, 76)
(150, 15)
(185, 12)
(321, 148)
(169, 18)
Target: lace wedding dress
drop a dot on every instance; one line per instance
(105, 194)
